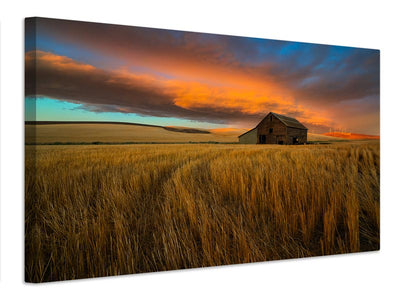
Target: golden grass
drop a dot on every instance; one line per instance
(108, 210)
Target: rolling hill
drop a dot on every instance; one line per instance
(51, 132)
(352, 136)
(113, 132)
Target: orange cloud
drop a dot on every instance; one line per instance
(234, 101)
(56, 61)
(231, 79)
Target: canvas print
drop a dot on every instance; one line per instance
(151, 150)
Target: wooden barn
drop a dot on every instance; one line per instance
(276, 129)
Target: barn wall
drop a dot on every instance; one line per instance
(249, 137)
(300, 134)
(278, 130)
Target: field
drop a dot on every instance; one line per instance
(113, 133)
(352, 136)
(116, 133)
(99, 210)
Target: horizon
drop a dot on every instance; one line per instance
(177, 78)
(336, 131)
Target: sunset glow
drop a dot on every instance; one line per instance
(174, 78)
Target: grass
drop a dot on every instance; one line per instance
(100, 210)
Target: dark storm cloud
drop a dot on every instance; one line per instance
(315, 73)
(320, 79)
(103, 91)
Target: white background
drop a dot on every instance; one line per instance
(370, 24)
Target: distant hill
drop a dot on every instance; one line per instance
(186, 129)
(86, 122)
(228, 131)
(170, 128)
(313, 137)
(352, 136)
(52, 132)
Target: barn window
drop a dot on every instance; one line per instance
(270, 118)
(271, 130)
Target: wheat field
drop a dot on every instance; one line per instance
(100, 210)
(115, 133)
(122, 133)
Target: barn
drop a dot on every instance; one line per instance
(276, 129)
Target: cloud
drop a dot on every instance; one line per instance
(190, 75)
(98, 90)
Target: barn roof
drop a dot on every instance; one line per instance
(288, 121)
(247, 132)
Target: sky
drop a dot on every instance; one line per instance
(92, 71)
